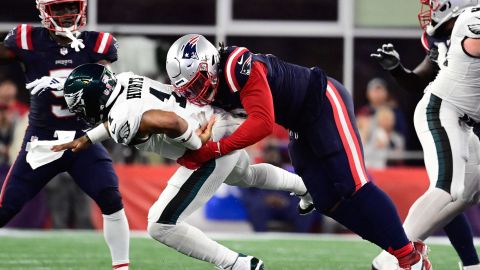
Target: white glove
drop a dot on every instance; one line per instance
(442, 54)
(387, 56)
(39, 85)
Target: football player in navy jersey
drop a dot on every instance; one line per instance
(53, 51)
(435, 43)
(325, 147)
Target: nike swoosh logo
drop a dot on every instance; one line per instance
(241, 61)
(114, 129)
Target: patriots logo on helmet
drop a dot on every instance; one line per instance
(190, 49)
(74, 100)
(474, 28)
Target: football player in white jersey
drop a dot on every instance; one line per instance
(444, 120)
(148, 114)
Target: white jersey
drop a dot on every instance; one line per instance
(458, 82)
(140, 94)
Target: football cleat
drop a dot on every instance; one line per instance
(384, 261)
(418, 259)
(305, 206)
(245, 262)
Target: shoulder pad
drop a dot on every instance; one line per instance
(237, 67)
(470, 21)
(20, 37)
(103, 44)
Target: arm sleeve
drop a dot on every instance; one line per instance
(416, 80)
(257, 100)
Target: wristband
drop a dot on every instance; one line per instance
(189, 139)
(98, 134)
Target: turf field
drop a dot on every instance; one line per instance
(86, 250)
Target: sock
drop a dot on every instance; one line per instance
(371, 214)
(192, 242)
(460, 234)
(267, 176)
(405, 255)
(117, 236)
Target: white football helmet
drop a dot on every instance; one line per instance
(62, 16)
(434, 13)
(192, 66)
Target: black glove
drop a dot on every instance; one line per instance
(387, 57)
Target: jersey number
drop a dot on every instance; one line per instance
(57, 110)
(182, 102)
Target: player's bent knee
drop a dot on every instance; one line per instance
(159, 231)
(109, 200)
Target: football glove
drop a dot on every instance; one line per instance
(387, 57)
(39, 85)
(194, 159)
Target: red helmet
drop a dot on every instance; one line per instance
(63, 15)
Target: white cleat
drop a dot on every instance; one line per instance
(245, 262)
(385, 261)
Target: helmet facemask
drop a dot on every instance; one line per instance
(201, 89)
(63, 16)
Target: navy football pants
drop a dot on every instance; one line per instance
(327, 152)
(91, 169)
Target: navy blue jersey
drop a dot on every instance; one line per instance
(289, 83)
(43, 56)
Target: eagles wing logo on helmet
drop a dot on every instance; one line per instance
(474, 28)
(190, 49)
(74, 100)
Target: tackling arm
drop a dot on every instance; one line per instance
(417, 79)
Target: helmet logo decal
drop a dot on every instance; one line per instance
(190, 49)
(74, 101)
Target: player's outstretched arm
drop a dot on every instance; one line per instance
(95, 135)
(412, 81)
(76, 145)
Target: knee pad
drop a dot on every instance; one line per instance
(5, 216)
(109, 200)
(160, 231)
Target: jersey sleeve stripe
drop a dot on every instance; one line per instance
(106, 38)
(109, 42)
(29, 37)
(18, 36)
(98, 42)
(24, 34)
(425, 41)
(230, 69)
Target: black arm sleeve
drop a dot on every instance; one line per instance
(416, 80)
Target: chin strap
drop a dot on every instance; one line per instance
(76, 44)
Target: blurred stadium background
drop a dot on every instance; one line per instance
(337, 35)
